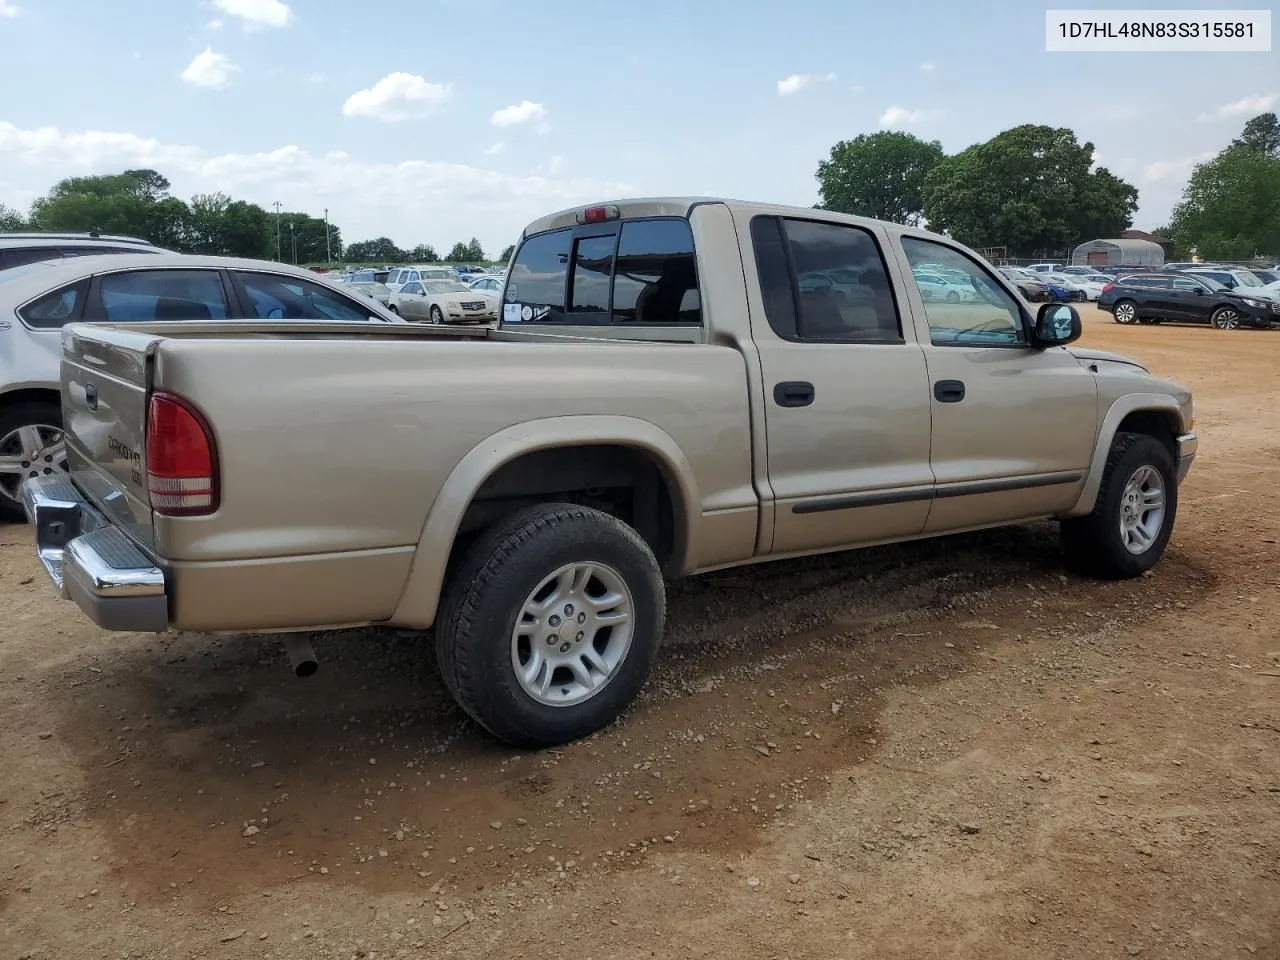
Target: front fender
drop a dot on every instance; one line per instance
(1121, 408)
(421, 596)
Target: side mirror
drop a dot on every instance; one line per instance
(1056, 325)
(1199, 291)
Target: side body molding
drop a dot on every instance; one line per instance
(420, 599)
(1121, 408)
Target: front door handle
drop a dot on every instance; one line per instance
(793, 393)
(948, 391)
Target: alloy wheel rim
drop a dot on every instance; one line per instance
(572, 634)
(1125, 313)
(1142, 509)
(1227, 320)
(32, 450)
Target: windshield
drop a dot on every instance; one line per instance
(1246, 279)
(1209, 282)
(447, 286)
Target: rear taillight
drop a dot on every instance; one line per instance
(1106, 287)
(182, 462)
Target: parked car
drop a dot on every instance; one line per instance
(443, 301)
(937, 286)
(1152, 298)
(17, 249)
(1044, 267)
(1235, 278)
(1032, 288)
(398, 277)
(1063, 290)
(1268, 277)
(1079, 286)
(488, 284)
(371, 289)
(38, 299)
(526, 488)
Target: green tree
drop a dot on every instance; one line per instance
(11, 221)
(1030, 189)
(1262, 133)
(1230, 208)
(424, 253)
(507, 251)
(466, 252)
(224, 227)
(878, 175)
(307, 233)
(136, 203)
(475, 252)
(379, 250)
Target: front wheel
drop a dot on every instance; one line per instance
(394, 309)
(436, 315)
(1132, 519)
(1125, 311)
(550, 625)
(1225, 318)
(953, 296)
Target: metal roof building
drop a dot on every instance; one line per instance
(1118, 253)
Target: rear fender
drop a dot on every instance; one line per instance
(421, 597)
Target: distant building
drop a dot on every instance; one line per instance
(1121, 252)
(1165, 243)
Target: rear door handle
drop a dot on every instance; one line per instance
(948, 391)
(91, 396)
(793, 393)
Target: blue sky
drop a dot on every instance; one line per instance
(436, 120)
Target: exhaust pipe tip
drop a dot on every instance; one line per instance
(302, 657)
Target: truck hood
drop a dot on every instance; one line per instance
(1088, 354)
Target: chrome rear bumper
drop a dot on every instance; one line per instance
(92, 562)
(1187, 444)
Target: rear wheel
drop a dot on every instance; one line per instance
(1132, 519)
(1125, 311)
(550, 625)
(30, 446)
(1225, 318)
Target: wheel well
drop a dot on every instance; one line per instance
(622, 481)
(1154, 423)
(30, 395)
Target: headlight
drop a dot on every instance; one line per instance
(1255, 303)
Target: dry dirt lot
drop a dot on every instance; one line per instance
(943, 749)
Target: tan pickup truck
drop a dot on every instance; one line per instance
(674, 386)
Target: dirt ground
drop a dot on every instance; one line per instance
(945, 749)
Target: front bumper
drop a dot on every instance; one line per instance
(1187, 444)
(92, 562)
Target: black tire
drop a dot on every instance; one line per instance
(486, 592)
(437, 315)
(953, 297)
(1120, 307)
(1094, 544)
(41, 412)
(1226, 318)
(392, 307)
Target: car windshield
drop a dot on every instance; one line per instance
(1247, 279)
(446, 286)
(1209, 282)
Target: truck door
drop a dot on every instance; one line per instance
(846, 406)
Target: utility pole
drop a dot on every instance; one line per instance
(328, 251)
(293, 240)
(277, 205)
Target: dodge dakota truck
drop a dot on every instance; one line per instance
(673, 386)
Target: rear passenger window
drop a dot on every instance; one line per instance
(57, 308)
(824, 282)
(142, 296)
(537, 279)
(592, 267)
(656, 280)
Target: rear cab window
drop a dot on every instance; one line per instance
(640, 273)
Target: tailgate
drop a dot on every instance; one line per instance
(106, 374)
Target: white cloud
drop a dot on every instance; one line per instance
(521, 112)
(211, 25)
(495, 149)
(928, 66)
(1244, 107)
(209, 69)
(257, 13)
(897, 116)
(1166, 171)
(395, 199)
(798, 81)
(8, 10)
(397, 96)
